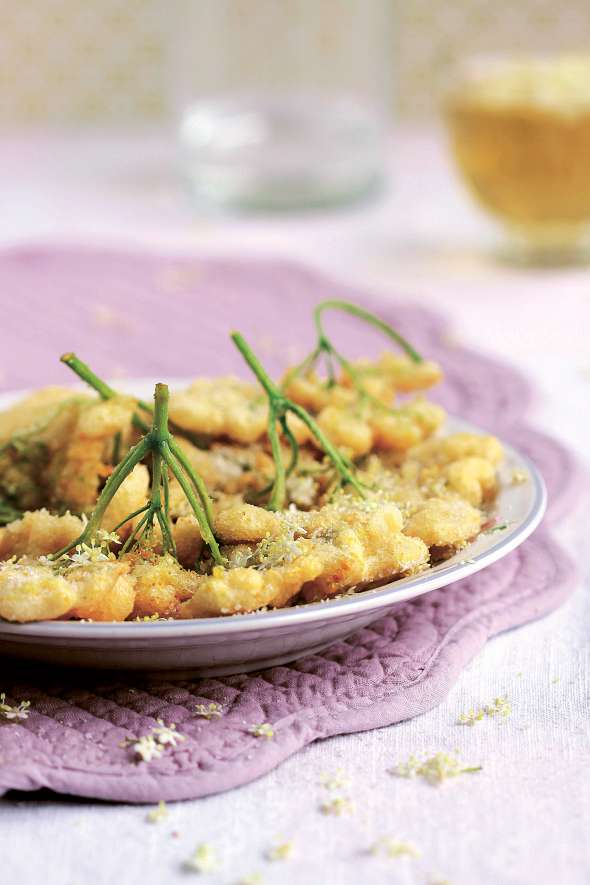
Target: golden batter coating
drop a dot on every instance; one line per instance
(31, 414)
(221, 407)
(160, 583)
(60, 449)
(231, 591)
(82, 458)
(400, 373)
(38, 533)
(342, 547)
(104, 591)
(31, 591)
(130, 497)
(444, 523)
(445, 449)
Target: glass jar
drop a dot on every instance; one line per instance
(520, 133)
(282, 103)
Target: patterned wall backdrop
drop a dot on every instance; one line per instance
(67, 61)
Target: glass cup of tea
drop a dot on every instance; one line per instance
(520, 134)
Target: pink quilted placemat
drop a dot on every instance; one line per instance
(144, 315)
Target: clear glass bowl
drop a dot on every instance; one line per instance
(284, 104)
(265, 152)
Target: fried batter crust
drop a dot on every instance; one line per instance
(365, 547)
(38, 533)
(30, 591)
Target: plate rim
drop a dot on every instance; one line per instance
(375, 599)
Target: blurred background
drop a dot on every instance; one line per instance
(107, 60)
(152, 116)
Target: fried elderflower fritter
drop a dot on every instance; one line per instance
(31, 591)
(319, 554)
(60, 449)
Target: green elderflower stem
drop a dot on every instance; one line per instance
(160, 443)
(112, 485)
(105, 391)
(279, 486)
(279, 406)
(195, 477)
(324, 347)
(160, 436)
(367, 317)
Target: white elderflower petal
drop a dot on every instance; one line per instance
(265, 730)
(395, 848)
(499, 707)
(167, 734)
(104, 537)
(337, 806)
(202, 860)
(13, 712)
(434, 769)
(157, 814)
(339, 780)
(470, 717)
(209, 711)
(280, 851)
(146, 748)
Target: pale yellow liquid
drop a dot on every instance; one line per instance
(522, 142)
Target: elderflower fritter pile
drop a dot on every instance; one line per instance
(254, 497)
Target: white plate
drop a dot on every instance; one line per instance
(238, 644)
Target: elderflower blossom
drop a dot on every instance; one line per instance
(209, 711)
(337, 806)
(395, 848)
(105, 537)
(336, 781)
(86, 554)
(145, 748)
(42, 560)
(281, 851)
(276, 551)
(302, 490)
(202, 860)
(157, 814)
(265, 730)
(499, 707)
(470, 717)
(11, 711)
(167, 734)
(252, 879)
(434, 769)
(152, 745)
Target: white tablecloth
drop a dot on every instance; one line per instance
(526, 817)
